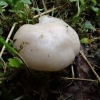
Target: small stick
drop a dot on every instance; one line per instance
(73, 75)
(3, 48)
(83, 55)
(9, 35)
(45, 8)
(25, 64)
(3, 78)
(79, 79)
(46, 12)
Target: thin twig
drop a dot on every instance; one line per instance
(19, 98)
(3, 48)
(4, 78)
(46, 12)
(45, 8)
(73, 75)
(9, 35)
(83, 55)
(25, 64)
(95, 65)
(79, 79)
(38, 8)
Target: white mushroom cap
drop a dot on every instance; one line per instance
(48, 19)
(49, 45)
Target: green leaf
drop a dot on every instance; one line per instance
(94, 1)
(95, 8)
(15, 62)
(3, 3)
(88, 25)
(36, 9)
(84, 41)
(2, 42)
(11, 10)
(26, 1)
(0, 9)
(19, 6)
(8, 2)
(15, 1)
(82, 2)
(73, 0)
(12, 2)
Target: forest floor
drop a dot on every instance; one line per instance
(80, 80)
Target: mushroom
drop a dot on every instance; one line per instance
(50, 45)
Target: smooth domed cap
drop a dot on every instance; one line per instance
(47, 46)
(49, 19)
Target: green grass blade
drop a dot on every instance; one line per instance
(2, 42)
